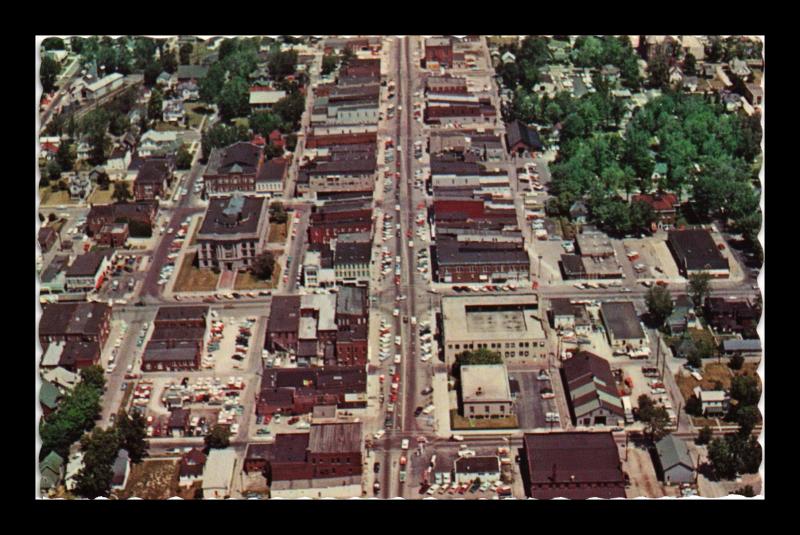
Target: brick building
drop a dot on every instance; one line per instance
(299, 390)
(233, 168)
(153, 179)
(113, 235)
(439, 50)
(233, 233)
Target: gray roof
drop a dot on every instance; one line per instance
(621, 319)
(672, 452)
(192, 71)
(351, 300)
(741, 345)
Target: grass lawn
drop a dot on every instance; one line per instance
(458, 422)
(247, 281)
(194, 118)
(152, 480)
(99, 196)
(161, 126)
(243, 121)
(53, 198)
(278, 232)
(713, 372)
(193, 279)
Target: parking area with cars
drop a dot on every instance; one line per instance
(535, 404)
(650, 258)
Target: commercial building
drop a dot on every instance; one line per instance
(272, 176)
(299, 390)
(233, 233)
(75, 322)
(351, 262)
(695, 252)
(88, 271)
(339, 217)
(623, 328)
(566, 315)
(138, 215)
(591, 390)
(485, 391)
(522, 139)
(438, 52)
(351, 306)
(508, 324)
(337, 176)
(573, 465)
(218, 473)
(114, 235)
(177, 340)
(664, 205)
(485, 468)
(463, 261)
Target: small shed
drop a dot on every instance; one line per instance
(676, 463)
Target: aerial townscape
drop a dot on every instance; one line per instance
(476, 267)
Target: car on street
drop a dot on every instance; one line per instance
(376, 467)
(404, 444)
(417, 411)
(427, 391)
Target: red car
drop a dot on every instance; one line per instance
(397, 280)
(293, 420)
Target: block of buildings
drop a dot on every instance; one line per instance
(485, 391)
(734, 315)
(485, 468)
(177, 340)
(573, 465)
(271, 178)
(153, 179)
(233, 233)
(218, 473)
(508, 324)
(592, 391)
(299, 390)
(438, 52)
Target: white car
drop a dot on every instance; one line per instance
(379, 435)
(404, 444)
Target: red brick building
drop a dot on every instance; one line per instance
(177, 340)
(439, 50)
(318, 141)
(143, 212)
(113, 235)
(153, 179)
(79, 322)
(233, 168)
(342, 217)
(351, 346)
(665, 206)
(299, 390)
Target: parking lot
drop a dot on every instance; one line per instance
(550, 251)
(529, 405)
(654, 258)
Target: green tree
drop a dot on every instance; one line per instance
(747, 417)
(234, 99)
(210, 87)
(705, 435)
(722, 458)
(151, 72)
(100, 145)
(169, 62)
(65, 157)
(183, 160)
(264, 265)
(132, 433)
(219, 437)
(291, 142)
(155, 105)
(277, 213)
(93, 377)
(659, 304)
(222, 135)
(53, 43)
(329, 63)
(263, 123)
(100, 450)
(658, 72)
(121, 192)
(119, 124)
(282, 64)
(52, 171)
(736, 362)
(745, 390)
(699, 287)
(290, 110)
(48, 73)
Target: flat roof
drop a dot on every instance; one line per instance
(487, 382)
(593, 242)
(232, 215)
(491, 317)
(694, 249)
(340, 437)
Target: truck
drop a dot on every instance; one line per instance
(627, 407)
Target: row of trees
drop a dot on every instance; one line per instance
(75, 414)
(101, 448)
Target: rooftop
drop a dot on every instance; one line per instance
(591, 384)
(695, 249)
(621, 320)
(232, 215)
(87, 264)
(673, 451)
(335, 437)
(491, 317)
(488, 382)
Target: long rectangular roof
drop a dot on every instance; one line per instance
(591, 384)
(335, 437)
(695, 249)
(621, 319)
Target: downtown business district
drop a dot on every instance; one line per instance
(428, 328)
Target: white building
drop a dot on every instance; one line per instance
(218, 473)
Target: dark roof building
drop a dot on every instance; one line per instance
(522, 138)
(87, 321)
(191, 72)
(622, 323)
(695, 251)
(574, 465)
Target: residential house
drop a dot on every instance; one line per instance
(49, 396)
(193, 73)
(189, 91)
(744, 348)
(733, 315)
(713, 402)
(80, 186)
(591, 390)
(155, 143)
(118, 162)
(191, 467)
(485, 392)
(682, 315)
(674, 460)
(218, 473)
(574, 465)
(578, 212)
(51, 469)
(263, 98)
(173, 111)
(664, 205)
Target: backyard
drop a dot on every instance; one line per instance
(101, 196)
(152, 480)
(194, 114)
(194, 279)
(48, 197)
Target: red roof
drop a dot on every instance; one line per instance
(660, 202)
(257, 88)
(259, 140)
(275, 135)
(49, 147)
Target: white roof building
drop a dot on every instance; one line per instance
(266, 98)
(218, 473)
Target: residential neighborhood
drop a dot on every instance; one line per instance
(421, 267)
